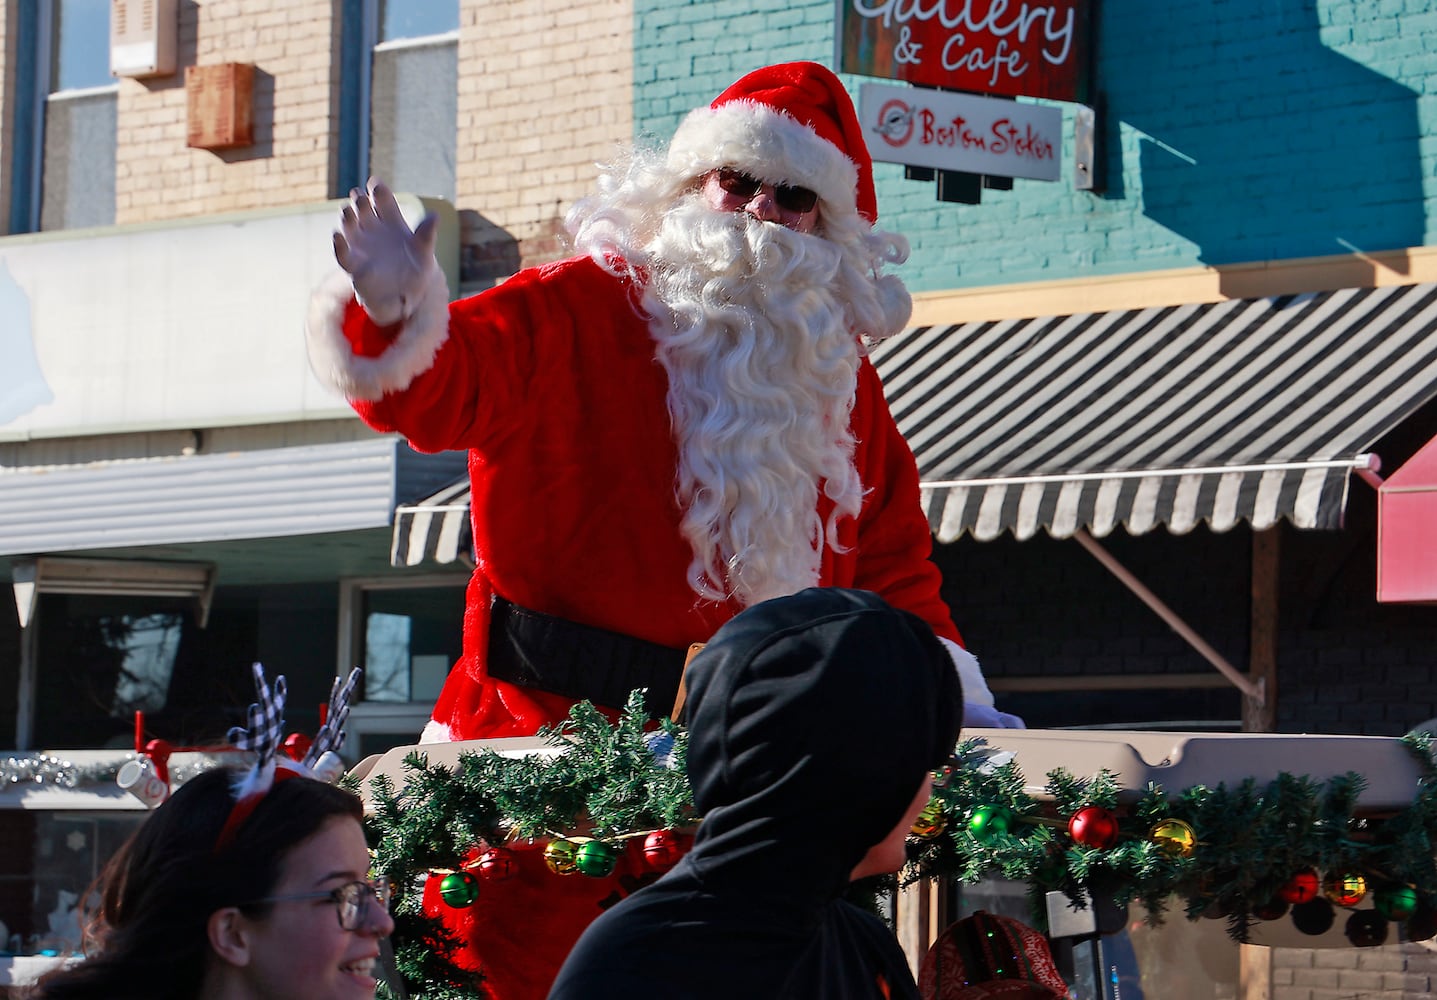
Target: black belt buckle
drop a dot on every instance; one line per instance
(534, 650)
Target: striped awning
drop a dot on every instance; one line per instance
(1239, 411)
(435, 529)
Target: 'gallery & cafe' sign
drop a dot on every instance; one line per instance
(980, 46)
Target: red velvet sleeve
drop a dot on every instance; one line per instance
(894, 540)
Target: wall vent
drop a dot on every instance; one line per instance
(143, 36)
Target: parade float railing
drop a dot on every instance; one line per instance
(1297, 840)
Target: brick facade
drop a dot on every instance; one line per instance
(545, 93)
(293, 49)
(1219, 125)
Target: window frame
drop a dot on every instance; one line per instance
(380, 717)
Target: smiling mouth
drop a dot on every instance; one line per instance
(361, 967)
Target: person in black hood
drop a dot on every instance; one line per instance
(815, 721)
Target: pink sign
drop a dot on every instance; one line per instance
(981, 46)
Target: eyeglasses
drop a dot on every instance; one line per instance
(788, 196)
(351, 901)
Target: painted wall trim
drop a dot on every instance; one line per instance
(1175, 287)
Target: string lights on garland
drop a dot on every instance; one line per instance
(1290, 849)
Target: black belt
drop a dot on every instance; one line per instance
(535, 650)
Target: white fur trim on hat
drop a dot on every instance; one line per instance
(768, 144)
(420, 336)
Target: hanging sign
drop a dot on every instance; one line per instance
(981, 46)
(976, 135)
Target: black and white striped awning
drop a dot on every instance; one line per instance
(1245, 410)
(435, 529)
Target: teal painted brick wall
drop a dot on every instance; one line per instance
(1235, 131)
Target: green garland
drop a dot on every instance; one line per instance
(610, 783)
(1250, 840)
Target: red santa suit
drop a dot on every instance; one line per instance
(551, 382)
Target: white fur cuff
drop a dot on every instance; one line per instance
(435, 732)
(421, 334)
(975, 688)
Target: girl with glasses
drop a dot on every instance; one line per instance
(284, 909)
(241, 886)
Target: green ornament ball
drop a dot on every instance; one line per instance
(596, 858)
(988, 822)
(1396, 902)
(459, 889)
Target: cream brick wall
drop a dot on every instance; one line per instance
(545, 92)
(293, 46)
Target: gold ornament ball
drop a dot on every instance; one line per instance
(1174, 837)
(931, 821)
(1345, 890)
(562, 856)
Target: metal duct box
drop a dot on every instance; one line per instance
(143, 36)
(220, 102)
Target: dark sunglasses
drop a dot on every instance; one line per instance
(789, 197)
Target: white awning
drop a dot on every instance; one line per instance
(1240, 411)
(272, 493)
(436, 528)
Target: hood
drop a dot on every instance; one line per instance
(812, 720)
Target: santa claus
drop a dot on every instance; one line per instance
(672, 425)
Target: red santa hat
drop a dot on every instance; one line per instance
(787, 124)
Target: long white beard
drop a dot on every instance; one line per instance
(762, 371)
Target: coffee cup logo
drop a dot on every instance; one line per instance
(138, 777)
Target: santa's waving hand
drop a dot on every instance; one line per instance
(386, 262)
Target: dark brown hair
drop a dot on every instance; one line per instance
(147, 937)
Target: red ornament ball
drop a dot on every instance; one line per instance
(1273, 909)
(1301, 888)
(1094, 826)
(662, 850)
(496, 864)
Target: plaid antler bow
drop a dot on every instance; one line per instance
(331, 734)
(263, 734)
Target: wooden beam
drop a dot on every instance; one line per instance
(1110, 682)
(1261, 716)
(1254, 972)
(1252, 689)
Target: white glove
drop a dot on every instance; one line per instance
(988, 717)
(387, 263)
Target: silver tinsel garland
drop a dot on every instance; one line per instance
(56, 772)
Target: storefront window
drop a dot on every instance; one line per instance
(105, 658)
(50, 861)
(411, 639)
(406, 634)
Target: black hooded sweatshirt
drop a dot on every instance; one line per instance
(812, 719)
